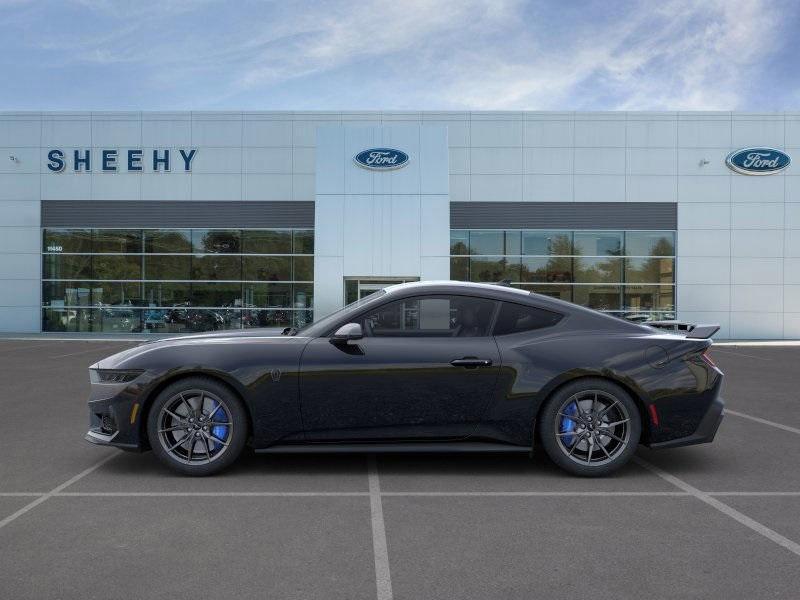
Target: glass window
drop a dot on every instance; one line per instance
(167, 241)
(459, 242)
(167, 294)
(267, 268)
(598, 270)
(650, 243)
(117, 240)
(216, 240)
(516, 318)
(303, 268)
(598, 243)
(268, 295)
(91, 293)
(562, 292)
(267, 318)
(304, 241)
(67, 319)
(649, 298)
(217, 267)
(67, 266)
(67, 240)
(216, 294)
(303, 295)
(431, 316)
(114, 266)
(117, 320)
(598, 297)
(513, 242)
(546, 243)
(546, 270)
(486, 242)
(459, 268)
(268, 241)
(649, 270)
(492, 269)
(168, 267)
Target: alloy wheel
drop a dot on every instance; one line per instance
(593, 427)
(195, 427)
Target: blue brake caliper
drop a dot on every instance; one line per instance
(219, 431)
(568, 425)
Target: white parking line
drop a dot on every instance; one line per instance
(736, 413)
(759, 528)
(55, 490)
(383, 579)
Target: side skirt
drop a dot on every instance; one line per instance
(397, 447)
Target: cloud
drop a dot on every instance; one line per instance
(447, 54)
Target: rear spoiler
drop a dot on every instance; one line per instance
(702, 332)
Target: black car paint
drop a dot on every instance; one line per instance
(304, 389)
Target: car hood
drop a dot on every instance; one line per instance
(125, 358)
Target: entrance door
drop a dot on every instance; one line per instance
(425, 369)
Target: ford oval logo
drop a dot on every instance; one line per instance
(381, 159)
(758, 161)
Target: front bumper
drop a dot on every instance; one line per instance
(705, 431)
(115, 415)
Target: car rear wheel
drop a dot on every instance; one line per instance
(197, 426)
(590, 427)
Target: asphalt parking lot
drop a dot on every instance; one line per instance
(79, 521)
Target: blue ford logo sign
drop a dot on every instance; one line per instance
(381, 159)
(758, 161)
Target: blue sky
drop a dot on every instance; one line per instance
(393, 54)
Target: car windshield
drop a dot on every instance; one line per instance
(319, 327)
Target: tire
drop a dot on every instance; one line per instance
(193, 408)
(575, 442)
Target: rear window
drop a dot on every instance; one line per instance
(516, 318)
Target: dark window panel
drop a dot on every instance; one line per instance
(486, 242)
(650, 243)
(67, 266)
(267, 268)
(492, 269)
(270, 241)
(598, 297)
(117, 267)
(168, 241)
(67, 319)
(562, 292)
(650, 270)
(216, 294)
(547, 243)
(350, 291)
(188, 319)
(67, 240)
(303, 268)
(117, 240)
(459, 268)
(598, 270)
(431, 316)
(267, 318)
(167, 294)
(117, 320)
(459, 242)
(226, 241)
(546, 270)
(516, 318)
(216, 267)
(303, 295)
(304, 241)
(512, 242)
(649, 298)
(598, 243)
(268, 295)
(167, 267)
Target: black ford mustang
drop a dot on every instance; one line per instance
(441, 366)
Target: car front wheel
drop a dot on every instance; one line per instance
(197, 426)
(590, 427)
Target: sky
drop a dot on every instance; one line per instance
(400, 55)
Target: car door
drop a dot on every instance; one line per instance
(425, 369)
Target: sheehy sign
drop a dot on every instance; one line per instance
(112, 161)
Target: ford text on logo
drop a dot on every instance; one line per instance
(110, 161)
(758, 161)
(381, 159)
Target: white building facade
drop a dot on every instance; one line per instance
(172, 222)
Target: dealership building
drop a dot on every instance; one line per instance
(137, 222)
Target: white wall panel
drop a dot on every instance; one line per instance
(19, 213)
(115, 186)
(761, 132)
(217, 133)
(652, 161)
(756, 243)
(545, 133)
(496, 188)
(701, 297)
(547, 188)
(166, 186)
(270, 186)
(703, 270)
(21, 319)
(767, 298)
(662, 133)
(758, 189)
(762, 271)
(704, 134)
(757, 215)
(699, 188)
(19, 133)
(704, 215)
(595, 134)
(599, 188)
(116, 134)
(268, 133)
(166, 133)
(548, 161)
(495, 133)
(651, 188)
(19, 186)
(704, 242)
(66, 186)
(756, 325)
(600, 161)
(496, 161)
(267, 160)
(64, 132)
(218, 187)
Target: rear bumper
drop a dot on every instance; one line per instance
(705, 432)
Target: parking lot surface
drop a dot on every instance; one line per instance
(80, 521)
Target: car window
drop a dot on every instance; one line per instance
(431, 316)
(515, 318)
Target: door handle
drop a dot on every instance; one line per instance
(470, 362)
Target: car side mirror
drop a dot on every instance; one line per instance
(345, 333)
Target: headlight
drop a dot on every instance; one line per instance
(113, 375)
